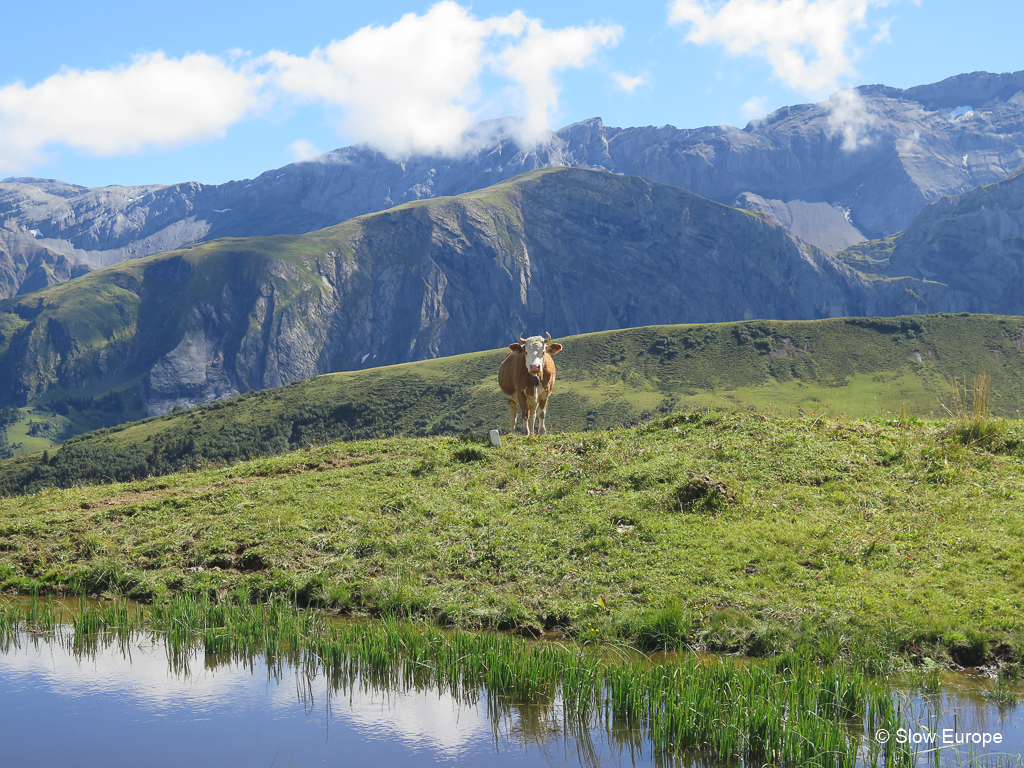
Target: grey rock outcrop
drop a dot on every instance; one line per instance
(972, 244)
(822, 225)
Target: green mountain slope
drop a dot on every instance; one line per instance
(560, 250)
(862, 367)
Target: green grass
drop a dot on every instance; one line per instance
(845, 367)
(871, 257)
(35, 430)
(735, 532)
(792, 711)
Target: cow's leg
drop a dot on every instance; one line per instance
(524, 406)
(513, 411)
(531, 414)
(542, 410)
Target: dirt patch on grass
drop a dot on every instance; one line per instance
(701, 493)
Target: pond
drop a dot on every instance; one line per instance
(131, 698)
(130, 705)
(958, 722)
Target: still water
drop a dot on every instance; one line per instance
(121, 704)
(130, 706)
(958, 726)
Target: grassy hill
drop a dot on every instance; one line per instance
(855, 366)
(721, 531)
(561, 250)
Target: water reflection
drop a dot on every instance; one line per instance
(958, 724)
(127, 704)
(123, 701)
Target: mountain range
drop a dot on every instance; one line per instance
(132, 301)
(973, 244)
(857, 167)
(564, 250)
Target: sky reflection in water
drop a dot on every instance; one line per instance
(108, 709)
(115, 707)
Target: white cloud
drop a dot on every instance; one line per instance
(807, 43)
(302, 149)
(754, 108)
(909, 144)
(849, 116)
(628, 83)
(153, 102)
(882, 33)
(414, 86)
(542, 52)
(405, 86)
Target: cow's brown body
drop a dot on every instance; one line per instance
(527, 387)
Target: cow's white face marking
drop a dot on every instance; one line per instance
(535, 348)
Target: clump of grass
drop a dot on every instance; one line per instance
(40, 614)
(970, 421)
(669, 628)
(928, 678)
(1002, 694)
(322, 592)
(11, 624)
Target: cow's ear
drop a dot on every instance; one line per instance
(554, 349)
(516, 347)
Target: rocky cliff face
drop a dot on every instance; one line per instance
(560, 251)
(860, 166)
(972, 244)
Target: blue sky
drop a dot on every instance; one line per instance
(130, 93)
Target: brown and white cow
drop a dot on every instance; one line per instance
(527, 377)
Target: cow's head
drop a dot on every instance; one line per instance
(535, 347)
